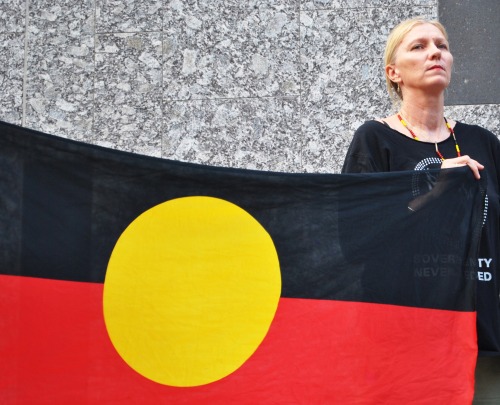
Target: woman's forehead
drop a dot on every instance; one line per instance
(423, 31)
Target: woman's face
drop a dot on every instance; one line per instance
(423, 60)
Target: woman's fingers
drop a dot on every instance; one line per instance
(465, 160)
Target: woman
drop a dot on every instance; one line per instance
(418, 66)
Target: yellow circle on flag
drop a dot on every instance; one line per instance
(191, 289)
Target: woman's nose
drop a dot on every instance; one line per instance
(435, 51)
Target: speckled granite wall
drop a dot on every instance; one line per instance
(273, 85)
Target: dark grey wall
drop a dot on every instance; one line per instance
(474, 30)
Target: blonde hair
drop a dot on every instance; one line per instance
(394, 40)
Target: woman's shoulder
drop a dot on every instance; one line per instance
(375, 132)
(374, 126)
(472, 128)
(475, 130)
(366, 151)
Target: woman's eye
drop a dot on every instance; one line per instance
(417, 46)
(443, 46)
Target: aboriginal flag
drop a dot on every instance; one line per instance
(131, 279)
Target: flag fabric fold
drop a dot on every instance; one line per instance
(373, 302)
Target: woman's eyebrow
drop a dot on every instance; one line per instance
(426, 39)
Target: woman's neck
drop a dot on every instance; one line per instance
(424, 113)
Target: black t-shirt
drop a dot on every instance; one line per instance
(378, 148)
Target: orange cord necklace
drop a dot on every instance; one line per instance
(435, 143)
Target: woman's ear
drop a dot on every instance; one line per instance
(392, 73)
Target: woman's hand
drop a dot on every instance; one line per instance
(474, 165)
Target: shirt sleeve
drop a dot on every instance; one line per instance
(365, 153)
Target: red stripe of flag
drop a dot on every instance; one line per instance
(55, 350)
